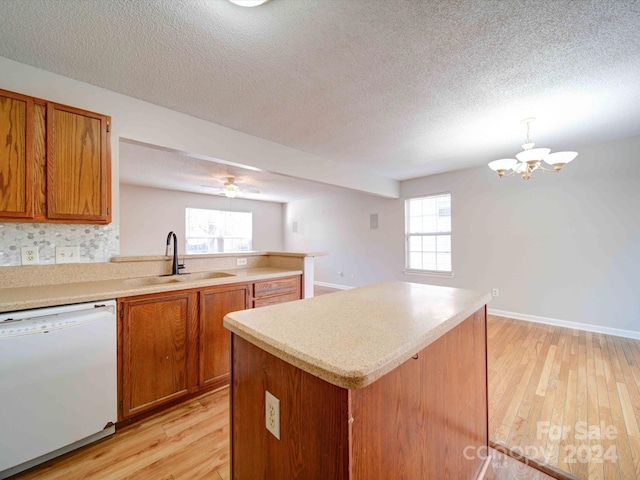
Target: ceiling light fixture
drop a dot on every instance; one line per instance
(231, 190)
(529, 160)
(249, 3)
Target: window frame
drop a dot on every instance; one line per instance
(219, 239)
(422, 234)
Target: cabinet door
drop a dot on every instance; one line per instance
(16, 156)
(78, 165)
(214, 338)
(159, 350)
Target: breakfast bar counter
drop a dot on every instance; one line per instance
(383, 381)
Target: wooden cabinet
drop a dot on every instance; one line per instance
(55, 162)
(159, 350)
(78, 171)
(278, 290)
(173, 345)
(16, 156)
(215, 303)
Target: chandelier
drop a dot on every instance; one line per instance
(530, 159)
(249, 3)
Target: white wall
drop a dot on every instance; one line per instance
(564, 247)
(148, 214)
(339, 224)
(144, 122)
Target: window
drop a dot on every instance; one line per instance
(213, 231)
(428, 233)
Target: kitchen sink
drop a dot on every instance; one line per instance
(203, 275)
(185, 277)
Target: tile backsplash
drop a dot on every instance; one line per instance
(97, 243)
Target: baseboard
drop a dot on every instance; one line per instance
(333, 285)
(516, 453)
(618, 332)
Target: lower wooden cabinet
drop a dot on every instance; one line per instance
(173, 345)
(277, 290)
(159, 350)
(214, 338)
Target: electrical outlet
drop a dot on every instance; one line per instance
(495, 292)
(241, 261)
(272, 414)
(30, 255)
(340, 274)
(67, 254)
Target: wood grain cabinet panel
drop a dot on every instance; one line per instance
(214, 338)
(275, 286)
(40, 161)
(277, 290)
(173, 346)
(415, 422)
(159, 350)
(16, 156)
(78, 166)
(314, 421)
(55, 162)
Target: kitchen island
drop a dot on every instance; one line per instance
(383, 381)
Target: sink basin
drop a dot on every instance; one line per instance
(140, 282)
(204, 275)
(164, 279)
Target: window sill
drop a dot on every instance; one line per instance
(427, 273)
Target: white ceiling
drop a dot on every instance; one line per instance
(149, 166)
(402, 87)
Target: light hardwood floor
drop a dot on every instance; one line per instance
(506, 468)
(189, 442)
(567, 397)
(537, 374)
(320, 290)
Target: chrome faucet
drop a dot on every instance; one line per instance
(176, 267)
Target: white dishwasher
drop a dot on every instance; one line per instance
(57, 381)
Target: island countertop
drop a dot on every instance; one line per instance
(353, 337)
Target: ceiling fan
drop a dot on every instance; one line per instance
(231, 189)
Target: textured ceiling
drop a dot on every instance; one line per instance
(403, 87)
(158, 168)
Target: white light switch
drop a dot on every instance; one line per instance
(30, 255)
(67, 254)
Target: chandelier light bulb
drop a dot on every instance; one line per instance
(530, 159)
(248, 3)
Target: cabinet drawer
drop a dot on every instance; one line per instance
(287, 297)
(276, 286)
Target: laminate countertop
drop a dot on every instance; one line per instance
(353, 337)
(22, 298)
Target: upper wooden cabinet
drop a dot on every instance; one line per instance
(78, 173)
(55, 162)
(16, 156)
